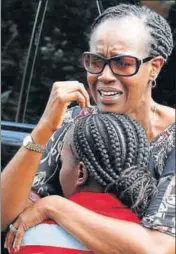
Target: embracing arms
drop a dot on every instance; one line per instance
(106, 235)
(100, 234)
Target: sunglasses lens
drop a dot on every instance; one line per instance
(93, 63)
(124, 65)
(121, 65)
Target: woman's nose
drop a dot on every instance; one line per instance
(107, 75)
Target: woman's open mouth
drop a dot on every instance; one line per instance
(109, 97)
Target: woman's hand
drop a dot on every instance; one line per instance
(31, 216)
(62, 94)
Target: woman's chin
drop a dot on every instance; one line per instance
(111, 108)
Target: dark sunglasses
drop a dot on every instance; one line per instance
(123, 65)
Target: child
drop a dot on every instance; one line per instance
(104, 160)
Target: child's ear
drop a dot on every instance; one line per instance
(82, 174)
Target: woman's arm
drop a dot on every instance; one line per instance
(98, 233)
(17, 177)
(106, 235)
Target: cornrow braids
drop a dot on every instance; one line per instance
(161, 43)
(91, 151)
(136, 188)
(113, 148)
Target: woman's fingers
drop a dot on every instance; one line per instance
(13, 239)
(83, 92)
(30, 217)
(11, 236)
(62, 94)
(73, 96)
(70, 87)
(18, 238)
(9, 240)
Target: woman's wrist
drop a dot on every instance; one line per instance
(50, 205)
(41, 134)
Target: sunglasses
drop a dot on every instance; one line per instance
(123, 65)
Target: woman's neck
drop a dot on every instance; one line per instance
(142, 113)
(153, 117)
(146, 115)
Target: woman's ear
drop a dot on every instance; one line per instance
(82, 174)
(156, 65)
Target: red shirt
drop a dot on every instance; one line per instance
(48, 237)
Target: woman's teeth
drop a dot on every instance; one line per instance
(103, 93)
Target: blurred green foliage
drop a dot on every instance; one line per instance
(64, 38)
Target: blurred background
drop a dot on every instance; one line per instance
(63, 39)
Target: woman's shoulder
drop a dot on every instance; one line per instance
(164, 142)
(164, 119)
(167, 114)
(165, 125)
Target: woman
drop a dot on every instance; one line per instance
(122, 86)
(100, 154)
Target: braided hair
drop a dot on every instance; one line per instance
(115, 152)
(161, 43)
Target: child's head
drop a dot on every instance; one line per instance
(107, 152)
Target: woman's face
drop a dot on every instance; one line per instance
(113, 38)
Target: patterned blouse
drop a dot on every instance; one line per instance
(160, 214)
